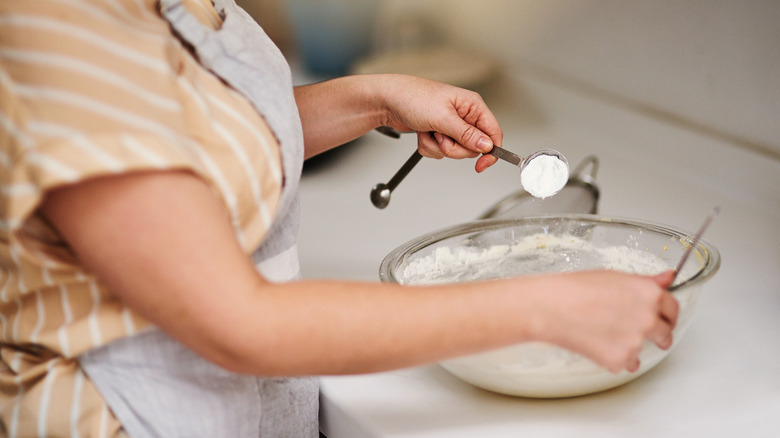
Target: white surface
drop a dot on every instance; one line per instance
(722, 380)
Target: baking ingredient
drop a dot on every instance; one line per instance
(537, 369)
(544, 175)
(532, 254)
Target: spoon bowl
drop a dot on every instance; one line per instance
(380, 195)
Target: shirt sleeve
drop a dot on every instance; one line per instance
(84, 96)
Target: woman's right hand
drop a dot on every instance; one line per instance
(206, 293)
(606, 315)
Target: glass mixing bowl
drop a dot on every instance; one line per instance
(500, 248)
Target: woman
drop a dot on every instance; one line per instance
(150, 160)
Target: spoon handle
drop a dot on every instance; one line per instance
(407, 167)
(404, 170)
(506, 155)
(497, 152)
(695, 242)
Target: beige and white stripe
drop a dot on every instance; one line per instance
(87, 88)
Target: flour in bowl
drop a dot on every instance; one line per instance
(538, 369)
(533, 254)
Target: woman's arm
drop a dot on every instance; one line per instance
(337, 111)
(143, 235)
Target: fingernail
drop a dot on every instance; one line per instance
(484, 144)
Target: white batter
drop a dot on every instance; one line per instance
(537, 369)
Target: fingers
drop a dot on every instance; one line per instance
(655, 313)
(665, 279)
(463, 124)
(662, 331)
(428, 146)
(669, 309)
(470, 124)
(478, 129)
(624, 360)
(484, 162)
(633, 365)
(437, 145)
(470, 137)
(662, 335)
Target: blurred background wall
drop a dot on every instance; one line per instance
(710, 65)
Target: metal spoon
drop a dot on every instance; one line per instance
(695, 242)
(380, 193)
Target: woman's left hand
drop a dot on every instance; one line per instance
(450, 122)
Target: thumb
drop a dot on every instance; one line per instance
(468, 136)
(664, 279)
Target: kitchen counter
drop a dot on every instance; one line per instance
(722, 379)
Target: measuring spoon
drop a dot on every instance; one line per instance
(380, 193)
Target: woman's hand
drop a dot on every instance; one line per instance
(450, 122)
(337, 111)
(147, 247)
(607, 315)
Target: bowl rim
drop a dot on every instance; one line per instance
(708, 269)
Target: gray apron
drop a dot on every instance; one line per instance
(154, 385)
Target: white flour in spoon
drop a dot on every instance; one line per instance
(544, 176)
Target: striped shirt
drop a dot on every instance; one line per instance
(91, 88)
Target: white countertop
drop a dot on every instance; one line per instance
(722, 379)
